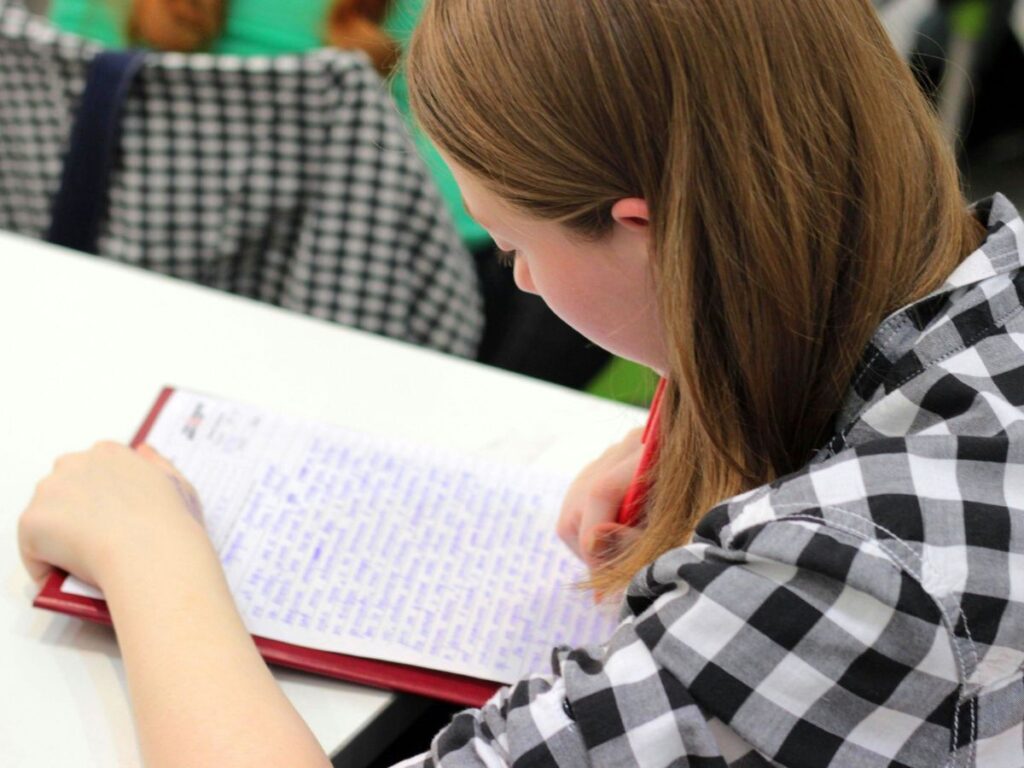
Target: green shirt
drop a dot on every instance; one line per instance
(269, 27)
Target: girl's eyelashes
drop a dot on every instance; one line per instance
(506, 258)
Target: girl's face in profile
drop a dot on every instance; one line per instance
(603, 288)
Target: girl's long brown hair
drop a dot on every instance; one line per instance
(191, 25)
(799, 188)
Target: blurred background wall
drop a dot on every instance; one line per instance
(968, 54)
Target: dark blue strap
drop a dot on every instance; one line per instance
(81, 200)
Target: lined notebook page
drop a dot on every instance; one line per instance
(369, 546)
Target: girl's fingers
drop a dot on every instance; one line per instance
(38, 571)
(183, 486)
(597, 493)
(603, 502)
(150, 454)
(606, 540)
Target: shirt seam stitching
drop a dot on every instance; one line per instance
(951, 636)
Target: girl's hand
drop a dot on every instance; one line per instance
(104, 505)
(200, 692)
(591, 506)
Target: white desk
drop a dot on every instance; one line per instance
(85, 346)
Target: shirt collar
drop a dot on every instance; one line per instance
(1002, 253)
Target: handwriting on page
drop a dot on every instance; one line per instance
(357, 544)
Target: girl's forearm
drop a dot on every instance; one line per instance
(200, 691)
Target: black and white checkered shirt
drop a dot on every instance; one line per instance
(865, 611)
(288, 179)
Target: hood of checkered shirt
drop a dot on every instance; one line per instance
(977, 297)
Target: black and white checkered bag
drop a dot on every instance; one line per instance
(287, 179)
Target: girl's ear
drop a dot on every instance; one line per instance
(632, 213)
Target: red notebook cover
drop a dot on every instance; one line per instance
(446, 686)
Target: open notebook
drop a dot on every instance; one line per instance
(369, 559)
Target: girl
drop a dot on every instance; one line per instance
(752, 198)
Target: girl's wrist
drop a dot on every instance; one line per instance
(125, 570)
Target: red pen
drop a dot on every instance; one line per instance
(636, 494)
